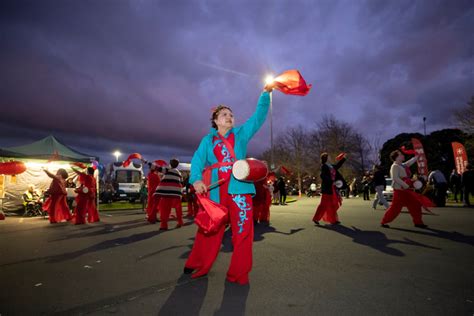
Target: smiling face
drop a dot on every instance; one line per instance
(225, 119)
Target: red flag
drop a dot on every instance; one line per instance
(460, 157)
(129, 159)
(422, 162)
(291, 82)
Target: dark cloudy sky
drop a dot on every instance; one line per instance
(141, 76)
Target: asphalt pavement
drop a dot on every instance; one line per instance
(125, 266)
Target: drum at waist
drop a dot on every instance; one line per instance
(249, 170)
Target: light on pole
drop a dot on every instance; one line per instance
(269, 79)
(117, 154)
(424, 124)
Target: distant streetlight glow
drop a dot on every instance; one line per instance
(117, 154)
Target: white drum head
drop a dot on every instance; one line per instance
(85, 190)
(417, 185)
(241, 170)
(338, 184)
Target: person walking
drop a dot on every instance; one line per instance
(467, 184)
(330, 198)
(455, 185)
(437, 178)
(380, 184)
(282, 190)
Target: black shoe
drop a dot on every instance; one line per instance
(187, 270)
(421, 225)
(336, 223)
(316, 222)
(385, 225)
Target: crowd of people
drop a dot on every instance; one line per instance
(59, 204)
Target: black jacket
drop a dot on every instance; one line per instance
(379, 179)
(326, 180)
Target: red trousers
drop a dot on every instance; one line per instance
(261, 210)
(192, 207)
(57, 208)
(404, 198)
(327, 209)
(85, 204)
(153, 209)
(165, 205)
(206, 247)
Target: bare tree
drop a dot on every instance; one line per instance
(465, 117)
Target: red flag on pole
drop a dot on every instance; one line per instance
(129, 159)
(460, 157)
(291, 82)
(422, 162)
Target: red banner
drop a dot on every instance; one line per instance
(460, 157)
(422, 162)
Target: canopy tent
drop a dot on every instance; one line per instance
(47, 148)
(48, 153)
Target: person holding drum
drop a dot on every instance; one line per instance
(215, 157)
(403, 194)
(330, 198)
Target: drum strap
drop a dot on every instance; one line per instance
(207, 170)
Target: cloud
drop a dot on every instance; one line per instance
(144, 74)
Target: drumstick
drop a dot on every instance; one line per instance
(215, 184)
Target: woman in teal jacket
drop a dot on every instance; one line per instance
(216, 153)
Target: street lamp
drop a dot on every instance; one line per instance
(269, 79)
(117, 154)
(424, 124)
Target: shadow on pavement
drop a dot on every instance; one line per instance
(453, 236)
(187, 297)
(375, 239)
(234, 299)
(106, 229)
(97, 247)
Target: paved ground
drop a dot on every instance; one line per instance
(125, 266)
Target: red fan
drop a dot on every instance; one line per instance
(407, 151)
(211, 215)
(79, 164)
(160, 163)
(340, 156)
(291, 82)
(127, 162)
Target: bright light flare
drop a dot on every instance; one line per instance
(269, 79)
(117, 154)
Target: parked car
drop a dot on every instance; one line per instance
(388, 192)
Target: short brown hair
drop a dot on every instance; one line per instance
(215, 113)
(324, 158)
(394, 154)
(63, 173)
(174, 163)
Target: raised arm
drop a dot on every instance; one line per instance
(253, 124)
(410, 161)
(340, 163)
(51, 175)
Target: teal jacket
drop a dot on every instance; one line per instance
(204, 155)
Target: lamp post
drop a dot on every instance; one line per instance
(424, 124)
(269, 79)
(117, 154)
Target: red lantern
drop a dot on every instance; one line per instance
(12, 167)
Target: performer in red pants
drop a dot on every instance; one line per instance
(403, 196)
(217, 152)
(169, 193)
(330, 198)
(261, 203)
(56, 204)
(86, 198)
(153, 180)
